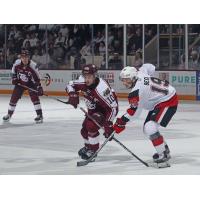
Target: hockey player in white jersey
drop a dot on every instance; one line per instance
(155, 95)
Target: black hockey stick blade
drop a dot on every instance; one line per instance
(159, 165)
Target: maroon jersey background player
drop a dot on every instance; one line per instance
(101, 102)
(24, 72)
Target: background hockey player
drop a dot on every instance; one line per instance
(101, 102)
(152, 94)
(25, 73)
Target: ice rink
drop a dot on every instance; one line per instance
(51, 147)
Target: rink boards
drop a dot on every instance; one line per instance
(187, 83)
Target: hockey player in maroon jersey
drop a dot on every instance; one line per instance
(25, 73)
(154, 95)
(102, 105)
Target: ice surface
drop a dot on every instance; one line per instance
(51, 147)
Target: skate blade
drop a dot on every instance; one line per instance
(84, 162)
(160, 165)
(39, 122)
(163, 165)
(6, 121)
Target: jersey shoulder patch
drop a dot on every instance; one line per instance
(17, 62)
(133, 98)
(134, 93)
(33, 64)
(103, 88)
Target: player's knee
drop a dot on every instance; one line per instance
(35, 99)
(84, 133)
(91, 127)
(150, 128)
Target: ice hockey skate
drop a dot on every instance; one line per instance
(39, 119)
(6, 118)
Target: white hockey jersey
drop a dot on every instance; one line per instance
(148, 91)
(152, 91)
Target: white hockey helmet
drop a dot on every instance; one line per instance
(128, 72)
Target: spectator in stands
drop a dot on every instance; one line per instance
(14, 32)
(60, 40)
(102, 48)
(182, 64)
(32, 27)
(80, 35)
(59, 54)
(148, 35)
(79, 62)
(27, 46)
(86, 49)
(138, 59)
(10, 52)
(19, 42)
(103, 63)
(39, 45)
(110, 38)
(115, 62)
(33, 40)
(64, 30)
(36, 56)
(131, 41)
(50, 38)
(117, 47)
(44, 59)
(194, 62)
(97, 40)
(138, 39)
(27, 39)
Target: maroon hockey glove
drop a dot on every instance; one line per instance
(40, 90)
(73, 99)
(108, 127)
(119, 125)
(15, 81)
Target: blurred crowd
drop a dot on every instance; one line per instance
(63, 46)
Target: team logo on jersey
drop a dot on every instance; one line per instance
(106, 92)
(90, 105)
(23, 77)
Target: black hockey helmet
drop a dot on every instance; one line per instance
(89, 69)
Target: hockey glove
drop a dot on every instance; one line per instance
(108, 127)
(73, 99)
(15, 81)
(119, 125)
(40, 90)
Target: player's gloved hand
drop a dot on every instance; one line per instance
(108, 127)
(40, 90)
(119, 125)
(73, 99)
(15, 81)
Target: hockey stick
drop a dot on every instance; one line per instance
(90, 117)
(146, 164)
(33, 90)
(85, 162)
